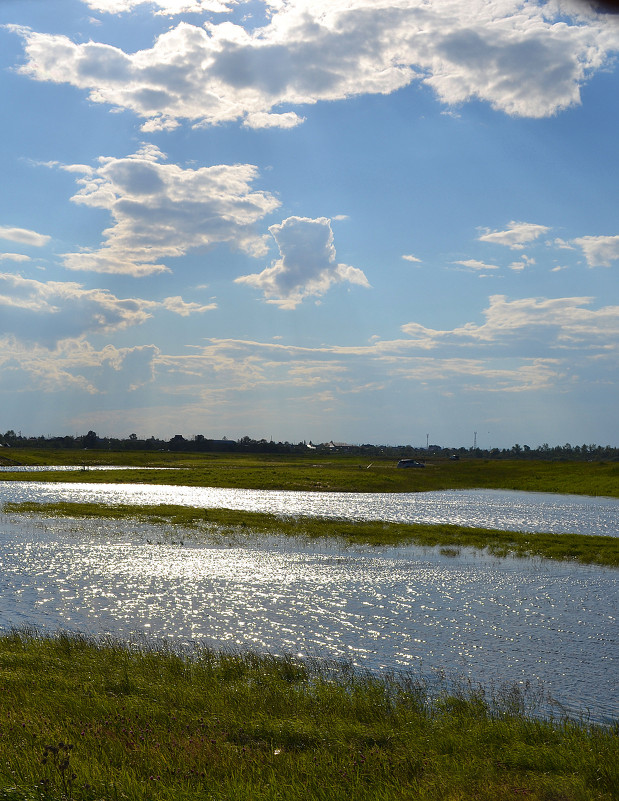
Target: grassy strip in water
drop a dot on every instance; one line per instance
(327, 473)
(575, 547)
(86, 720)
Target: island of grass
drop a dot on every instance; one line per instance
(90, 720)
(324, 472)
(586, 549)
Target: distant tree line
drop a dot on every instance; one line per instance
(202, 444)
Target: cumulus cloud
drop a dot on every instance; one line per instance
(524, 59)
(48, 312)
(163, 211)
(410, 257)
(307, 265)
(24, 236)
(600, 251)
(516, 236)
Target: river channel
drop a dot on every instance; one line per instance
(428, 610)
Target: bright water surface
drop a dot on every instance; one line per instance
(493, 620)
(502, 509)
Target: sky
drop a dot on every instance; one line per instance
(367, 221)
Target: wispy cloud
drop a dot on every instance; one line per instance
(48, 312)
(551, 323)
(522, 344)
(177, 305)
(75, 366)
(162, 6)
(516, 236)
(474, 264)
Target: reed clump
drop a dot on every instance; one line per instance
(87, 720)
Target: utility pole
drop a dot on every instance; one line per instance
(427, 441)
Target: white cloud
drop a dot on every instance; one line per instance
(525, 59)
(552, 323)
(516, 236)
(600, 251)
(474, 264)
(307, 265)
(163, 6)
(562, 244)
(24, 236)
(177, 305)
(162, 211)
(247, 365)
(262, 119)
(52, 311)
(410, 257)
(75, 366)
(13, 257)
(525, 261)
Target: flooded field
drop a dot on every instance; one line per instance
(493, 620)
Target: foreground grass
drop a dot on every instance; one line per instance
(574, 547)
(330, 473)
(88, 720)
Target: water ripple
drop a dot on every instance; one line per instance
(491, 619)
(499, 509)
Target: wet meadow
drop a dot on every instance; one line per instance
(95, 718)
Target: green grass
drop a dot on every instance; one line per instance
(330, 473)
(95, 721)
(208, 522)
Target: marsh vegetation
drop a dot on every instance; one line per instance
(586, 549)
(84, 720)
(87, 720)
(329, 473)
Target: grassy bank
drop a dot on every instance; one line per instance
(87, 721)
(222, 522)
(328, 474)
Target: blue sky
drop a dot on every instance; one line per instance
(360, 220)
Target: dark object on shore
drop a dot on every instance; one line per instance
(410, 463)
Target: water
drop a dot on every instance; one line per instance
(501, 509)
(493, 620)
(68, 468)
